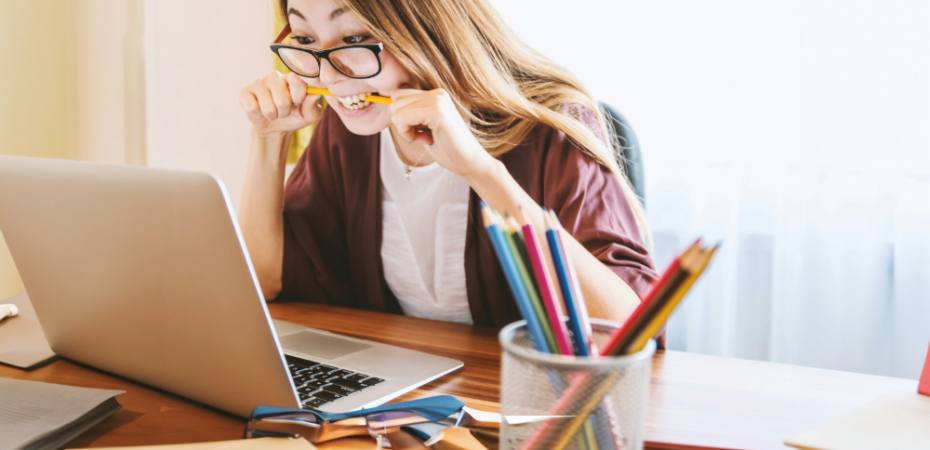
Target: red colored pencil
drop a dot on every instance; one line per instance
(546, 288)
(672, 276)
(650, 301)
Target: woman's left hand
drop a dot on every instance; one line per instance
(447, 137)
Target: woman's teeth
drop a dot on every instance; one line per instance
(354, 102)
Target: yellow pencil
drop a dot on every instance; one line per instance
(370, 98)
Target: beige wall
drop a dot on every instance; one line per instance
(71, 86)
(37, 105)
(110, 81)
(199, 54)
(151, 82)
(37, 81)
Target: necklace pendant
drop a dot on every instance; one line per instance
(407, 173)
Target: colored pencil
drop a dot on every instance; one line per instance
(673, 276)
(550, 268)
(517, 287)
(370, 98)
(578, 318)
(546, 289)
(695, 268)
(575, 287)
(588, 439)
(656, 323)
(660, 301)
(518, 246)
(568, 295)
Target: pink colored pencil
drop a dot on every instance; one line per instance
(546, 288)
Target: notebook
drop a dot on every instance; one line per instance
(893, 421)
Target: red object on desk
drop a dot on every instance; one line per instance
(924, 386)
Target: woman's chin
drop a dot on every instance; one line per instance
(364, 121)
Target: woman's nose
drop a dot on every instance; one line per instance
(328, 74)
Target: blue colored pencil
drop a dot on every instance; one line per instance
(580, 304)
(502, 248)
(575, 320)
(579, 321)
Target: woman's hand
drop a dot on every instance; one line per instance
(278, 103)
(431, 118)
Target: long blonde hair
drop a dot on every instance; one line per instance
(502, 86)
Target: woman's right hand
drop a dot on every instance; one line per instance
(278, 103)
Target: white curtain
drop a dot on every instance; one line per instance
(795, 132)
(819, 267)
(824, 211)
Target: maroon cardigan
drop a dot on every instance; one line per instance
(332, 221)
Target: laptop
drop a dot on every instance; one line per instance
(143, 273)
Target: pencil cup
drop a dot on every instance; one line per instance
(553, 402)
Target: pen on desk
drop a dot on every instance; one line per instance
(371, 98)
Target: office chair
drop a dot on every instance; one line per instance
(628, 153)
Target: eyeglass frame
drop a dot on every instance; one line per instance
(320, 55)
(438, 409)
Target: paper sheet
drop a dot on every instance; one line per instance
(242, 444)
(30, 409)
(893, 421)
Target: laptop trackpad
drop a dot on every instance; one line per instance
(321, 345)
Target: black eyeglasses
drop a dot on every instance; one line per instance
(354, 61)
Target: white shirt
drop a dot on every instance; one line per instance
(423, 237)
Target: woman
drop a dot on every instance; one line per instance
(381, 212)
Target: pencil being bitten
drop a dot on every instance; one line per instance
(369, 98)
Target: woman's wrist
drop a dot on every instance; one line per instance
(485, 171)
(271, 136)
(271, 144)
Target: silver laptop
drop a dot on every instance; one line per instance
(143, 273)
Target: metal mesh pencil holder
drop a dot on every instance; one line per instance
(552, 401)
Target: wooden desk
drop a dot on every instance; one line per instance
(697, 401)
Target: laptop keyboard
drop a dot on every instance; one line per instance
(320, 384)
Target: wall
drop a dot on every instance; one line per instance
(72, 85)
(110, 81)
(37, 105)
(199, 55)
(151, 82)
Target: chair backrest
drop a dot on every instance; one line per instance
(628, 153)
